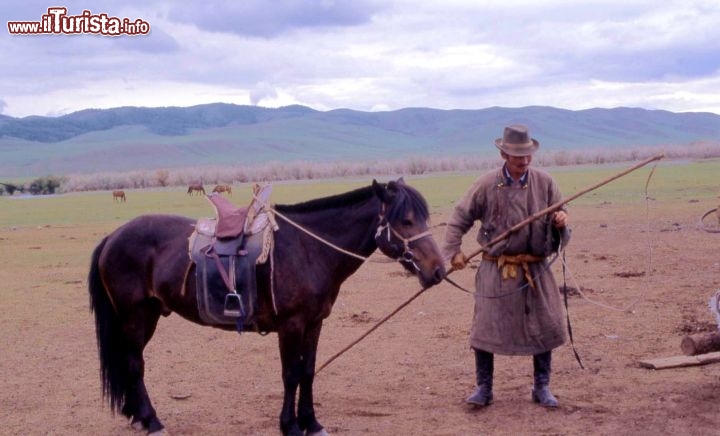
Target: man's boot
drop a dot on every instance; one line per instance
(541, 370)
(484, 371)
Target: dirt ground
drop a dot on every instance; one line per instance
(647, 279)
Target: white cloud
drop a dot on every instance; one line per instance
(378, 56)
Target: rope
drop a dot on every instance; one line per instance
(702, 225)
(324, 241)
(648, 268)
(567, 315)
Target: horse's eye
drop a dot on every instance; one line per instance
(407, 223)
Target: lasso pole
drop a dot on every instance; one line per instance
(495, 240)
(372, 329)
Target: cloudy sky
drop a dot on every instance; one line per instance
(370, 55)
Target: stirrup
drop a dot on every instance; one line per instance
(233, 305)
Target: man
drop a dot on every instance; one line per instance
(518, 309)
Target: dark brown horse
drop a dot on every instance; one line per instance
(119, 196)
(223, 188)
(196, 188)
(140, 272)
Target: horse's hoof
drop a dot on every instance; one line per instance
(160, 432)
(322, 432)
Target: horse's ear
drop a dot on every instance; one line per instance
(383, 192)
(401, 180)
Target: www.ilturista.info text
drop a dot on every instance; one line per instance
(56, 21)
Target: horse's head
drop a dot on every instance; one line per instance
(404, 234)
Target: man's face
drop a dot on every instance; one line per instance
(517, 165)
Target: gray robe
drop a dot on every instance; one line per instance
(510, 317)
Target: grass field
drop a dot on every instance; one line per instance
(696, 180)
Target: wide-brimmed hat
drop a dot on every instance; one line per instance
(516, 141)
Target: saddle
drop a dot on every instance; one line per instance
(225, 250)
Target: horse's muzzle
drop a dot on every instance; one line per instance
(437, 275)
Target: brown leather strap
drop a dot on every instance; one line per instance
(223, 273)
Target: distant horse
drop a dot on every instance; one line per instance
(141, 271)
(119, 196)
(223, 188)
(196, 188)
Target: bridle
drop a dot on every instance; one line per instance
(405, 256)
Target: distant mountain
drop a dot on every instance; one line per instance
(134, 138)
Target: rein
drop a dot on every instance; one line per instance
(406, 256)
(324, 241)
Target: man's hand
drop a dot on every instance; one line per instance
(560, 219)
(458, 261)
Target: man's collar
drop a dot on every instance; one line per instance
(509, 180)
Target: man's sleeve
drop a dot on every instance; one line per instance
(461, 221)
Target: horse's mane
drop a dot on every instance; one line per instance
(407, 199)
(334, 201)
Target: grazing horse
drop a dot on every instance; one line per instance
(222, 188)
(197, 188)
(119, 196)
(141, 272)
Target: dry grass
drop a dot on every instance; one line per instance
(413, 165)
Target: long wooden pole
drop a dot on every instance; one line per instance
(495, 240)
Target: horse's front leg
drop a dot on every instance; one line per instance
(306, 409)
(290, 338)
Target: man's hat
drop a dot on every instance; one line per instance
(516, 141)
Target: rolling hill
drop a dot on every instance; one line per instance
(132, 138)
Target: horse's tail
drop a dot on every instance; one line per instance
(112, 350)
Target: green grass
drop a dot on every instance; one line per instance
(671, 181)
(99, 207)
(696, 180)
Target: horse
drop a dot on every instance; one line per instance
(119, 196)
(141, 271)
(196, 187)
(222, 188)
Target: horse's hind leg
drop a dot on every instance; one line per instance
(139, 329)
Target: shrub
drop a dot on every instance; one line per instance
(162, 177)
(45, 185)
